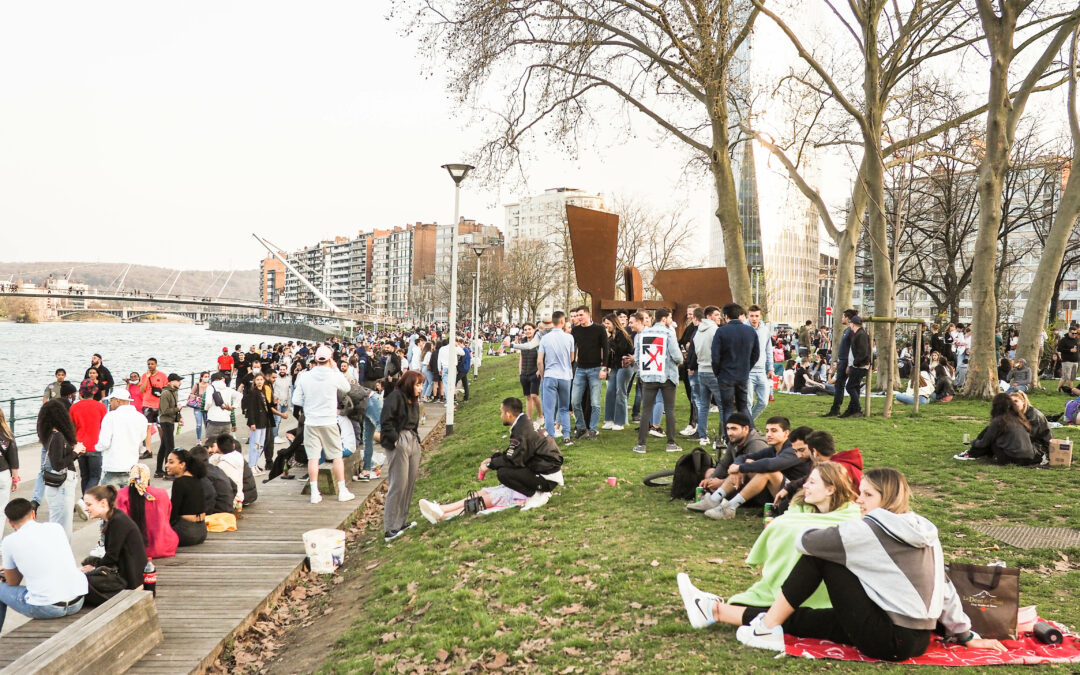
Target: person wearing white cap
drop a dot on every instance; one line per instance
(123, 430)
(317, 391)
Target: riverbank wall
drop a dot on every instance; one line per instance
(293, 331)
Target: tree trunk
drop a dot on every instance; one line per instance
(727, 200)
(1046, 276)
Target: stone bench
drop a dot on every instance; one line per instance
(327, 484)
(104, 640)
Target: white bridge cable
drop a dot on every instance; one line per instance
(350, 293)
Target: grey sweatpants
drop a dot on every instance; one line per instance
(402, 467)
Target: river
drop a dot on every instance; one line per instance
(31, 353)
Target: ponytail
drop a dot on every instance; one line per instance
(106, 493)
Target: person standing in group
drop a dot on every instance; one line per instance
(760, 385)
(317, 392)
(257, 412)
(56, 432)
(53, 389)
(530, 382)
(590, 353)
(168, 416)
(554, 367)
(843, 353)
(151, 384)
(708, 386)
(195, 402)
(105, 379)
(688, 368)
(859, 359)
(657, 355)
(735, 350)
(399, 435)
(804, 338)
(122, 432)
(225, 365)
(87, 415)
(9, 461)
(220, 402)
(620, 359)
(282, 395)
(1069, 349)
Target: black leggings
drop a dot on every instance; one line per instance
(190, 533)
(167, 443)
(854, 618)
(524, 481)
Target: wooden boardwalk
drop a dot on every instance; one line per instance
(209, 593)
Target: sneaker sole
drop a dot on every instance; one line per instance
(689, 593)
(428, 512)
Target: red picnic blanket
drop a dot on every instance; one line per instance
(1025, 651)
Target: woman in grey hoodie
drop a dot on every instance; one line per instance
(885, 574)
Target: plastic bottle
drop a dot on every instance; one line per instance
(149, 577)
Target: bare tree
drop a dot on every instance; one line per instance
(1002, 23)
(530, 275)
(651, 239)
(666, 60)
(1060, 238)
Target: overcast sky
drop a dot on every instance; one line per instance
(165, 133)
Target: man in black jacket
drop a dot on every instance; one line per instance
(528, 470)
(735, 350)
(841, 359)
(858, 366)
(688, 368)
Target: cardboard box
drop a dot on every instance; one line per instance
(1060, 452)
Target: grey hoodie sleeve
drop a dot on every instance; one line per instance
(954, 619)
(826, 543)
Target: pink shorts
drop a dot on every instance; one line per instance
(502, 496)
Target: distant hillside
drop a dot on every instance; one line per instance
(243, 285)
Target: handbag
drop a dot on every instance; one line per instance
(474, 503)
(53, 479)
(990, 596)
(103, 582)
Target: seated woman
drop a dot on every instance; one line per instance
(150, 509)
(1040, 433)
(225, 454)
(926, 387)
(219, 498)
(944, 388)
(1007, 438)
(125, 546)
(807, 381)
(188, 505)
(1004, 368)
(884, 574)
(827, 498)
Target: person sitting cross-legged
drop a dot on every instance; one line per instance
(762, 474)
(743, 439)
(41, 579)
(528, 469)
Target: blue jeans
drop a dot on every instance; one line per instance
(586, 377)
(200, 419)
(39, 484)
(62, 502)
(760, 385)
(372, 421)
(256, 440)
(15, 598)
(428, 383)
(1019, 387)
(615, 404)
(910, 400)
(555, 397)
(708, 391)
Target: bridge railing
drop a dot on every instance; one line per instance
(22, 411)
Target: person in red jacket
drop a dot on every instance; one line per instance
(87, 414)
(225, 365)
(822, 449)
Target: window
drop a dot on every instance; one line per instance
(1068, 285)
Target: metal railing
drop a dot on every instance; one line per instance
(16, 414)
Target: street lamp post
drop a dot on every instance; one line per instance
(478, 249)
(457, 173)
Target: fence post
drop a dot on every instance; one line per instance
(11, 417)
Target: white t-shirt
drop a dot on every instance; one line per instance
(233, 466)
(41, 552)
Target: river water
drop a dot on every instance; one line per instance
(31, 353)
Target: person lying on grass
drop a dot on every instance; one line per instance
(885, 576)
(1007, 438)
(826, 499)
(528, 470)
(822, 449)
(756, 477)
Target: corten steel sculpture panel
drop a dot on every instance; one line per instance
(594, 237)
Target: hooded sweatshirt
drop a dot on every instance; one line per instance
(852, 461)
(898, 560)
(703, 344)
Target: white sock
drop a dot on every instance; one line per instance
(341, 486)
(719, 495)
(737, 501)
(315, 488)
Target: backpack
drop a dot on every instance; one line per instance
(689, 472)
(358, 395)
(465, 362)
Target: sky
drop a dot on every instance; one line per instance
(167, 133)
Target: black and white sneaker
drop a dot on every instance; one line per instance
(391, 536)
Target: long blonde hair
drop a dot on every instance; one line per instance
(893, 487)
(835, 476)
(5, 430)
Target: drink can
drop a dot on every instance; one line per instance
(768, 512)
(699, 492)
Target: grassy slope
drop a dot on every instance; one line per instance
(589, 580)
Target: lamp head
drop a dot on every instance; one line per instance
(458, 171)
(479, 249)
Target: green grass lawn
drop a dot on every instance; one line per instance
(587, 583)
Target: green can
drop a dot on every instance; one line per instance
(699, 492)
(768, 512)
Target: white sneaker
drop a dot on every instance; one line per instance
(713, 409)
(699, 604)
(80, 508)
(537, 499)
(431, 511)
(673, 447)
(703, 505)
(316, 497)
(345, 496)
(726, 511)
(608, 425)
(690, 430)
(704, 441)
(656, 432)
(617, 427)
(756, 635)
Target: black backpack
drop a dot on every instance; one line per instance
(689, 472)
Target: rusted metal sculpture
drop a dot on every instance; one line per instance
(594, 237)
